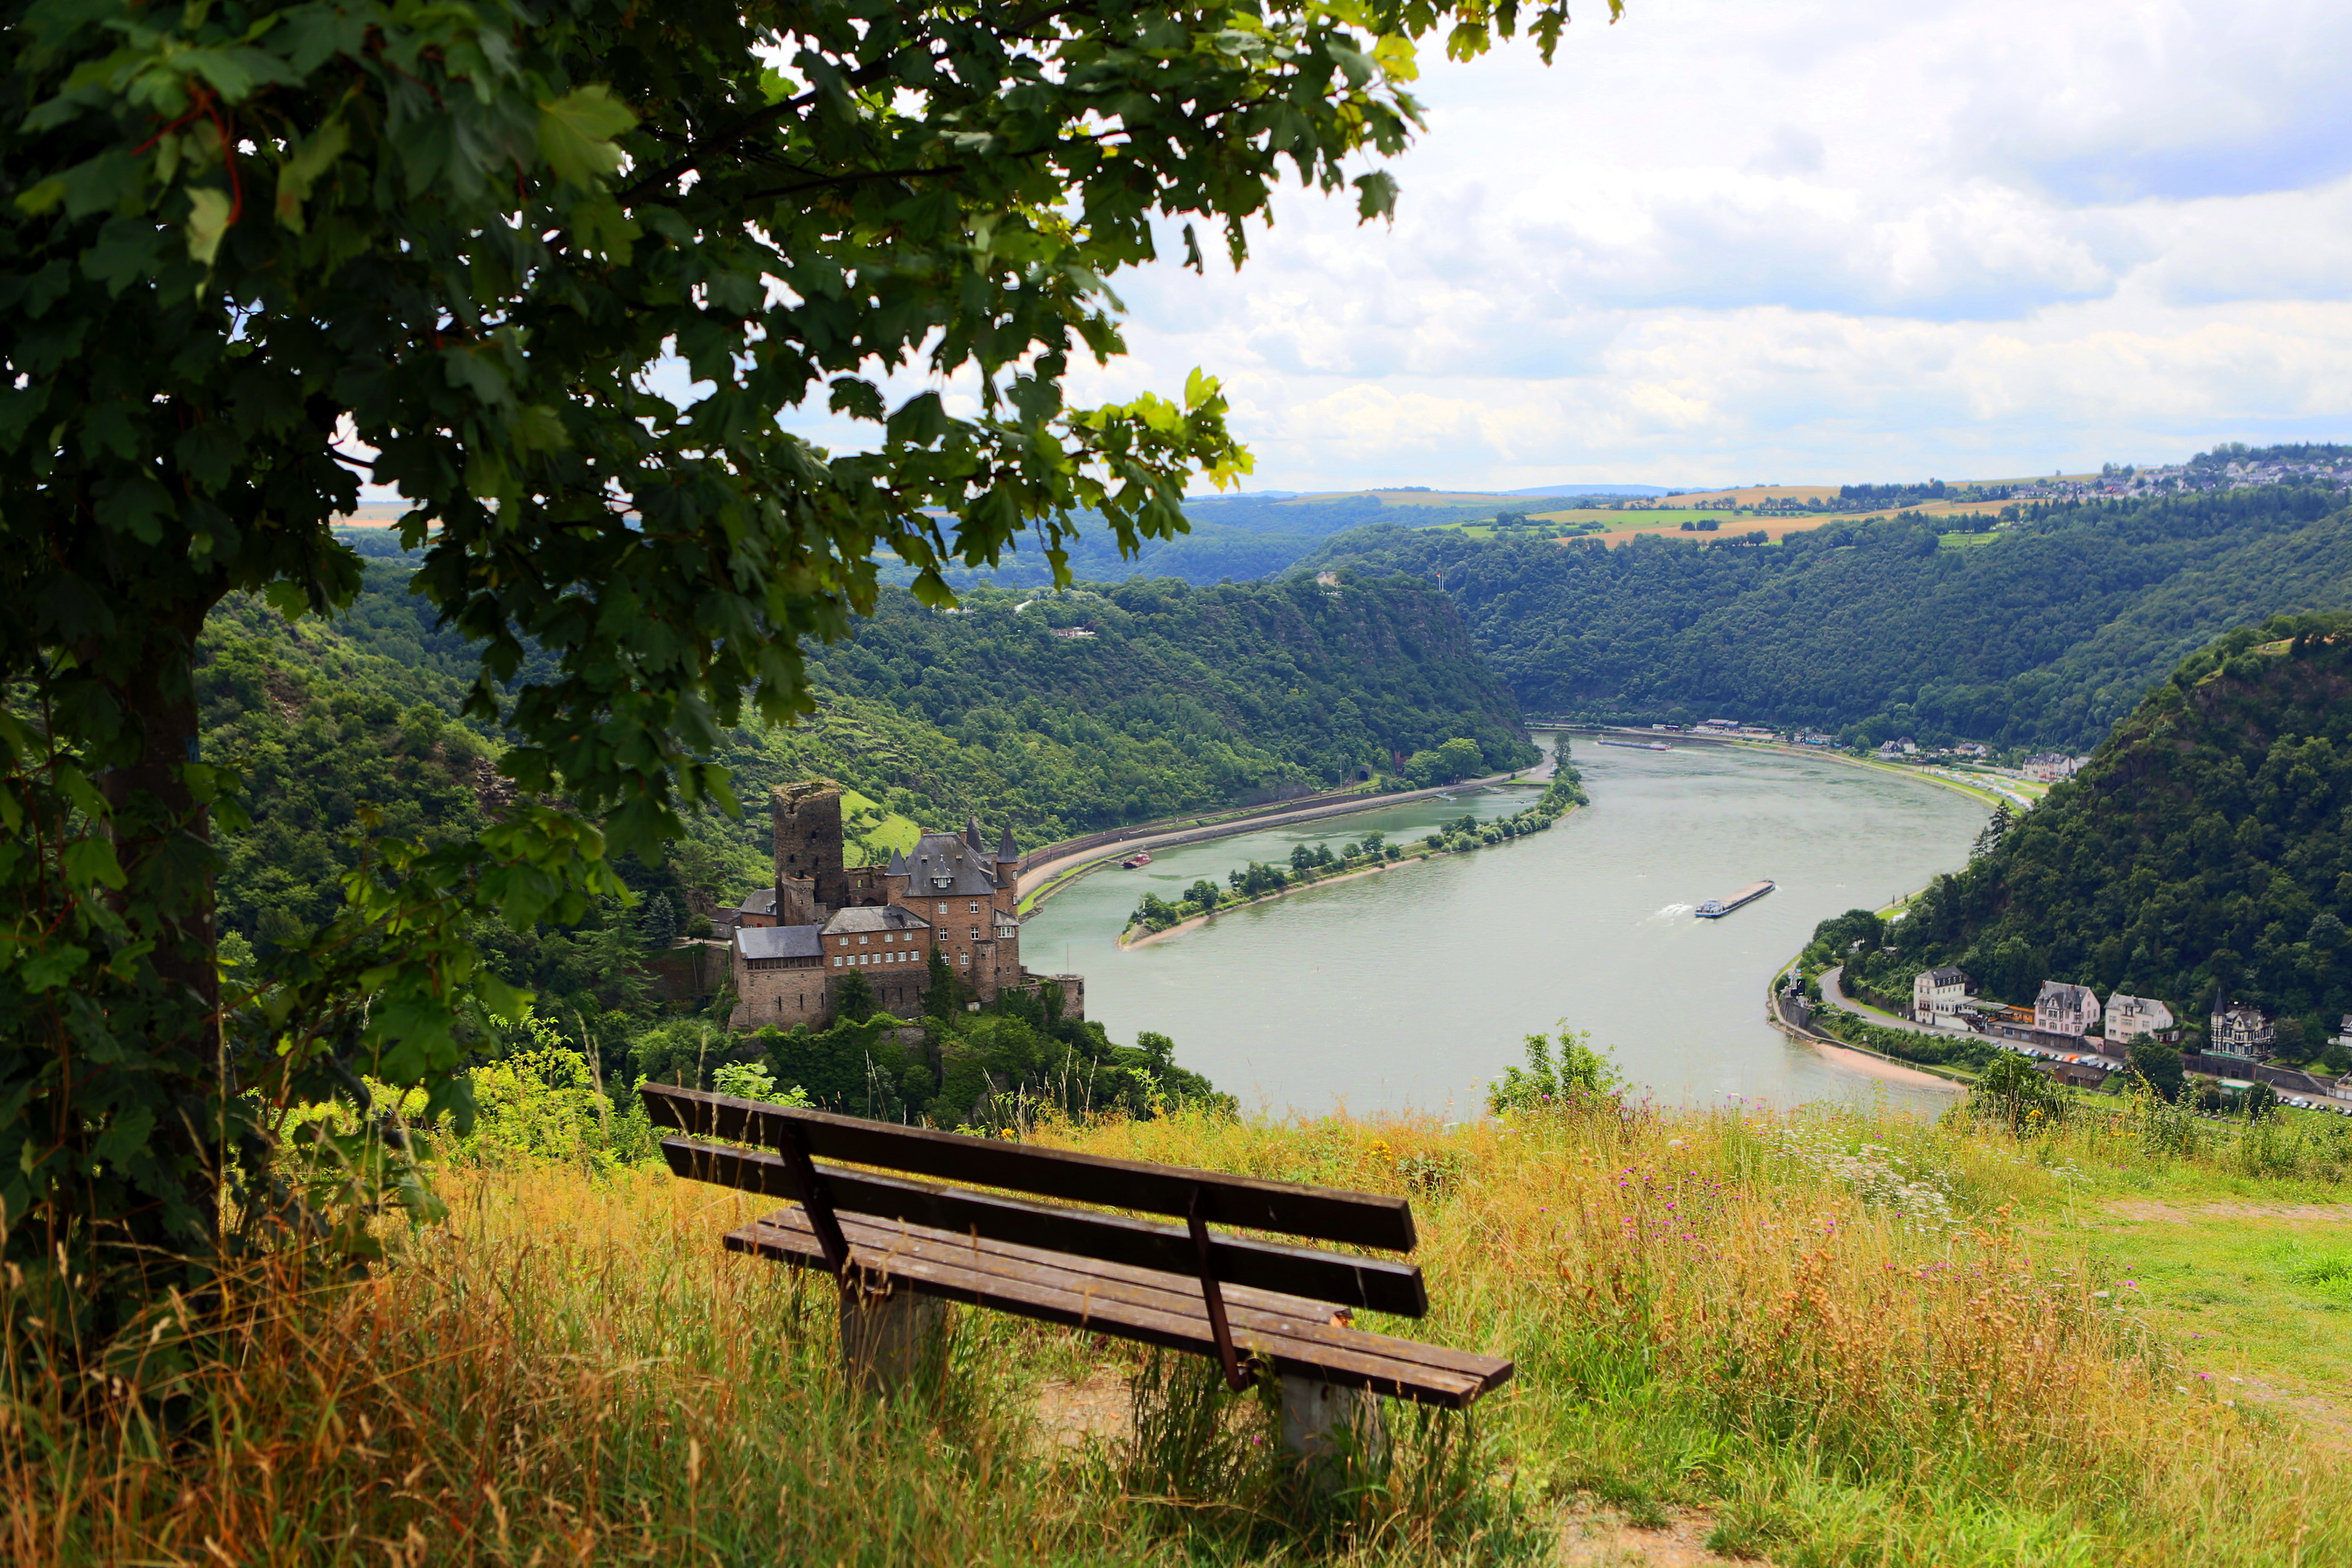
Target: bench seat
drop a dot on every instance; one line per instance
(1297, 1337)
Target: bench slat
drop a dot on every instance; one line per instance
(1114, 1299)
(1321, 1214)
(1374, 1285)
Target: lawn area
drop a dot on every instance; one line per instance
(1820, 1337)
(2262, 1302)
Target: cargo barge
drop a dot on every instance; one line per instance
(1640, 745)
(1715, 909)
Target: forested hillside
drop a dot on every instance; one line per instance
(1170, 698)
(2044, 634)
(1232, 537)
(2204, 854)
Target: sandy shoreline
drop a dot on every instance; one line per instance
(1873, 1067)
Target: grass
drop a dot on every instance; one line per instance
(1852, 1337)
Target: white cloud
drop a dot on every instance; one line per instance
(1820, 240)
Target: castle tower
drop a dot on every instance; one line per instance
(809, 841)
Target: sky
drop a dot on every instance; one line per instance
(1810, 241)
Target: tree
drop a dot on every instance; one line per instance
(2014, 1092)
(1995, 829)
(658, 921)
(942, 995)
(1202, 892)
(853, 998)
(255, 250)
(1460, 758)
(1302, 858)
(2159, 1064)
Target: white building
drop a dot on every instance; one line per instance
(2129, 1017)
(1937, 993)
(2064, 1009)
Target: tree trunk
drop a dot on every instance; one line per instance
(162, 840)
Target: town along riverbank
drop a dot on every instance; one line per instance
(1410, 988)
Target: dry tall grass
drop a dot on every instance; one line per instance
(1824, 1326)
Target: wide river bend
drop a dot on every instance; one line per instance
(1411, 989)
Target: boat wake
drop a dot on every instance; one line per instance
(1672, 911)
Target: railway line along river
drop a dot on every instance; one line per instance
(1412, 988)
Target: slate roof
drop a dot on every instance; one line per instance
(1005, 853)
(945, 864)
(760, 901)
(873, 918)
(779, 941)
(2058, 994)
(1947, 977)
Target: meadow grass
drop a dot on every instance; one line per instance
(1852, 1337)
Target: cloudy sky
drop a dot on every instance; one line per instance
(1725, 242)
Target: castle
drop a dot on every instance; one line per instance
(796, 943)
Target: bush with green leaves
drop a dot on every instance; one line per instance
(1562, 1074)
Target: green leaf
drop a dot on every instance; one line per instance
(604, 229)
(42, 196)
(208, 224)
(302, 169)
(88, 860)
(576, 132)
(52, 967)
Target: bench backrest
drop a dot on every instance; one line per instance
(794, 1139)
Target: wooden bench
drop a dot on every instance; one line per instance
(1246, 1304)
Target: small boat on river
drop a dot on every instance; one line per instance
(1715, 909)
(1140, 857)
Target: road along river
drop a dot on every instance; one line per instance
(1412, 988)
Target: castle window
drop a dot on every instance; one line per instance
(975, 906)
(966, 958)
(975, 933)
(943, 909)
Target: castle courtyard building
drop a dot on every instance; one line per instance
(950, 895)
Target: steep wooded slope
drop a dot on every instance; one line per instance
(2204, 853)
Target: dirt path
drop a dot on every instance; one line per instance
(2184, 1214)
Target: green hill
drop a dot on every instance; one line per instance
(2203, 854)
(2043, 634)
(1174, 699)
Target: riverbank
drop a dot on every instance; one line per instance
(1990, 793)
(1128, 939)
(1043, 881)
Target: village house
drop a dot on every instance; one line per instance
(2064, 1009)
(1938, 993)
(2136, 1018)
(2241, 1031)
(797, 941)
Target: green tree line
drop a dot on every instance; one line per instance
(2047, 635)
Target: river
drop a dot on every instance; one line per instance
(1412, 988)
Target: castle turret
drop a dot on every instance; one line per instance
(972, 835)
(1005, 853)
(809, 841)
(895, 877)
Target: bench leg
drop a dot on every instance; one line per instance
(891, 1344)
(1337, 1436)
